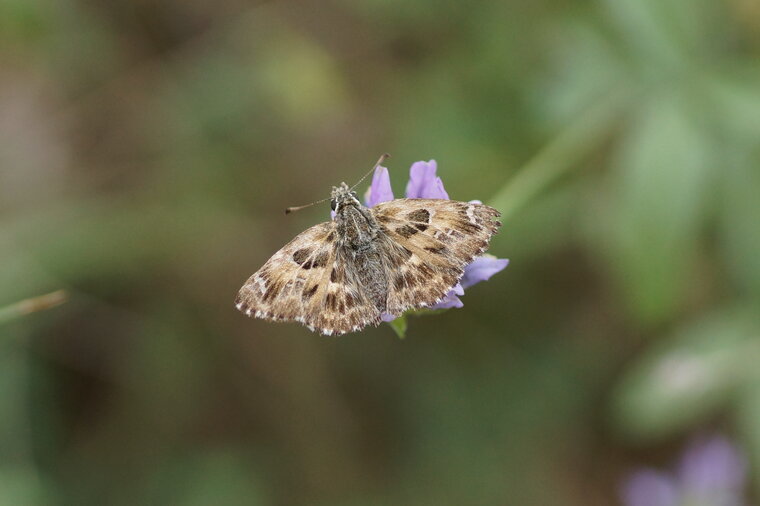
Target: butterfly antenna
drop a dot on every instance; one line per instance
(380, 160)
(298, 208)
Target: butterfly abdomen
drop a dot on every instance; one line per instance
(371, 275)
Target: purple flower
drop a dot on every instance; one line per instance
(481, 269)
(380, 189)
(650, 488)
(711, 472)
(423, 183)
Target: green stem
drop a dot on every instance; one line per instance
(564, 152)
(32, 305)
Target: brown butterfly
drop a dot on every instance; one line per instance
(345, 274)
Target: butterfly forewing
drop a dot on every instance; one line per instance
(307, 282)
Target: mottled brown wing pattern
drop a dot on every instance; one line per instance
(307, 282)
(430, 242)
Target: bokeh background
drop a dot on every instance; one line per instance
(148, 148)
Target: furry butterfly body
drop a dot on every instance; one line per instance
(345, 274)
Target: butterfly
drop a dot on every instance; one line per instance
(369, 262)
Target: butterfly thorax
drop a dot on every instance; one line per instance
(356, 227)
(355, 224)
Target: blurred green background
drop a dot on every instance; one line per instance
(148, 148)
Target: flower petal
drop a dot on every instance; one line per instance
(712, 466)
(650, 488)
(423, 183)
(387, 317)
(451, 299)
(380, 189)
(482, 268)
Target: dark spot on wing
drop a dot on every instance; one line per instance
(301, 255)
(330, 237)
(318, 261)
(406, 231)
(469, 227)
(331, 301)
(398, 281)
(395, 260)
(272, 290)
(420, 226)
(421, 215)
(425, 271)
(444, 238)
(452, 272)
(438, 250)
(307, 294)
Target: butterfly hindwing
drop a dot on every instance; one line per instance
(430, 241)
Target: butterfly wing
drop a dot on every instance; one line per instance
(306, 281)
(428, 243)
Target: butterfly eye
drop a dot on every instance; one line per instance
(333, 204)
(354, 195)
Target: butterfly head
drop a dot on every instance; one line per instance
(343, 196)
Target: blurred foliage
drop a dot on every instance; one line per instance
(147, 150)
